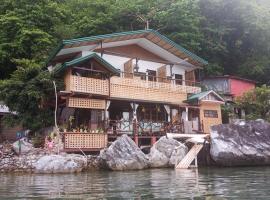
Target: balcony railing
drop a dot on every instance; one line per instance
(133, 87)
(158, 89)
(84, 141)
(89, 85)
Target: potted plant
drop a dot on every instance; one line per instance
(81, 128)
(85, 129)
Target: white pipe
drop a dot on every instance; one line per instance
(55, 110)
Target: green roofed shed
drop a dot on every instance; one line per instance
(206, 95)
(61, 67)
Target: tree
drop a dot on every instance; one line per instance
(256, 103)
(28, 94)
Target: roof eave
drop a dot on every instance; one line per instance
(81, 59)
(199, 60)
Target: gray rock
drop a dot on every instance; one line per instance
(124, 154)
(60, 164)
(243, 143)
(22, 145)
(166, 152)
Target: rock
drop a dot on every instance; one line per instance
(166, 152)
(60, 164)
(124, 154)
(25, 146)
(242, 143)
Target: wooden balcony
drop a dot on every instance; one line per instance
(87, 85)
(130, 88)
(85, 141)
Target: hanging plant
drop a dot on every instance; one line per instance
(158, 108)
(143, 109)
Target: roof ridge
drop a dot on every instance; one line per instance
(104, 36)
(83, 58)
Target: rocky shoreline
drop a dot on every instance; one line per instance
(123, 154)
(239, 144)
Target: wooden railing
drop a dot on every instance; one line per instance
(84, 141)
(143, 127)
(132, 88)
(89, 85)
(137, 89)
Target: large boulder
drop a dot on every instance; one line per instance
(166, 152)
(66, 163)
(22, 146)
(241, 143)
(124, 154)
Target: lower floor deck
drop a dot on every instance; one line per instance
(91, 129)
(94, 142)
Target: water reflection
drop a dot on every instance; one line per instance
(228, 183)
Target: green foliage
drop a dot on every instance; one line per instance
(256, 103)
(27, 93)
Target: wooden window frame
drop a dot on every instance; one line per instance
(178, 81)
(210, 113)
(150, 76)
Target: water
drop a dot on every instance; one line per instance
(206, 183)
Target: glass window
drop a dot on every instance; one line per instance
(142, 75)
(152, 75)
(211, 113)
(178, 79)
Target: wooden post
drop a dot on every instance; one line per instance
(196, 159)
(136, 139)
(153, 140)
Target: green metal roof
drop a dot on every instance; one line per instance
(65, 65)
(100, 37)
(196, 97)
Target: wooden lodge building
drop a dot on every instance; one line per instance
(138, 82)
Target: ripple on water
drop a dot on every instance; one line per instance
(207, 183)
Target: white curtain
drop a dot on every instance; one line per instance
(134, 107)
(168, 110)
(108, 103)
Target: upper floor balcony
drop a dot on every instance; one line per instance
(133, 87)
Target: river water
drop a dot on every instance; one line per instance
(205, 183)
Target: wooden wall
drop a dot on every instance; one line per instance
(208, 122)
(9, 133)
(190, 78)
(133, 51)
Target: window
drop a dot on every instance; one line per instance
(141, 75)
(152, 75)
(211, 113)
(178, 79)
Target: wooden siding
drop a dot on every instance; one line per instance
(133, 51)
(74, 102)
(9, 133)
(147, 90)
(207, 121)
(190, 78)
(129, 88)
(128, 69)
(89, 85)
(162, 74)
(76, 141)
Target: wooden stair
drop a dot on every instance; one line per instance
(191, 155)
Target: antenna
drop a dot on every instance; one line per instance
(146, 21)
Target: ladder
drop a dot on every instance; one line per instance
(191, 155)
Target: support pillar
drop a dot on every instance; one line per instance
(186, 114)
(136, 139)
(153, 140)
